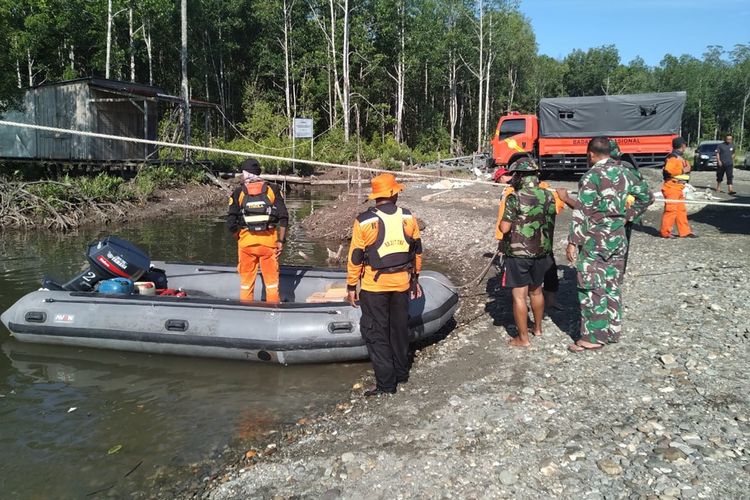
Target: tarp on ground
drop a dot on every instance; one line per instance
(612, 115)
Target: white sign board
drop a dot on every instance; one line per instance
(303, 128)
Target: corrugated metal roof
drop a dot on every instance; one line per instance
(129, 89)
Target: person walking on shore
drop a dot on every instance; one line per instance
(385, 258)
(725, 163)
(675, 172)
(597, 243)
(528, 223)
(258, 219)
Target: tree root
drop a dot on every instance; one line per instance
(23, 206)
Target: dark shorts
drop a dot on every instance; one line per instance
(721, 170)
(520, 272)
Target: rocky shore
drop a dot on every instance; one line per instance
(663, 414)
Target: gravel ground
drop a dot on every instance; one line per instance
(663, 414)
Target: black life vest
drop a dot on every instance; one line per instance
(259, 210)
(393, 251)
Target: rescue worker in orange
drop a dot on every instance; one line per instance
(385, 258)
(258, 219)
(675, 172)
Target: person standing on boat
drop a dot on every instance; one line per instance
(258, 219)
(385, 258)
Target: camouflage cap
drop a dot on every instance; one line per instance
(523, 165)
(614, 149)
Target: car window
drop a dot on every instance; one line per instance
(707, 148)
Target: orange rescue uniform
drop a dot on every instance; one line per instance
(257, 249)
(364, 237)
(673, 189)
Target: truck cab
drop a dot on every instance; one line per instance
(515, 136)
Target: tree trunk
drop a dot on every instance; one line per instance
(150, 56)
(480, 76)
(334, 54)
(222, 82)
(453, 99)
(331, 96)
(18, 73)
(109, 39)
(30, 66)
(286, 6)
(742, 120)
(345, 69)
(72, 56)
(700, 106)
(513, 79)
(490, 56)
(131, 43)
(400, 77)
(184, 87)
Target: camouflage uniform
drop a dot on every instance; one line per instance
(598, 230)
(614, 152)
(531, 211)
(528, 246)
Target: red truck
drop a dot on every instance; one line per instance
(642, 124)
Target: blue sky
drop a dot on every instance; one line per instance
(649, 28)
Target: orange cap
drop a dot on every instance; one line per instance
(384, 186)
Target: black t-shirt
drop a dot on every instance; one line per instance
(725, 152)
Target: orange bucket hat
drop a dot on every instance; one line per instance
(384, 186)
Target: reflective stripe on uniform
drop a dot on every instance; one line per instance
(256, 218)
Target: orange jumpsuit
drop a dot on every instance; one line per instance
(672, 189)
(257, 248)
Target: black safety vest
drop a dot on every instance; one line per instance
(258, 207)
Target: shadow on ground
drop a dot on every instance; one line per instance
(500, 305)
(728, 220)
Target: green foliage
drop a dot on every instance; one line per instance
(151, 178)
(237, 60)
(102, 187)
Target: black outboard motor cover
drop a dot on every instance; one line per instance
(110, 258)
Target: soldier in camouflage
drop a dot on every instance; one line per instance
(528, 224)
(597, 243)
(614, 152)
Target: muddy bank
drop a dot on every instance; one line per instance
(188, 198)
(662, 414)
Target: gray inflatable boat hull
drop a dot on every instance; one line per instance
(210, 322)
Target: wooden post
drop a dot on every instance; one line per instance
(145, 129)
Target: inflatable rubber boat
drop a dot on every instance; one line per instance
(312, 324)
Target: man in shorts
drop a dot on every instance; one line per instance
(528, 223)
(725, 163)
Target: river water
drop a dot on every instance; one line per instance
(78, 423)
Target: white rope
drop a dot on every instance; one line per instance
(190, 147)
(237, 153)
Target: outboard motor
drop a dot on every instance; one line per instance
(109, 258)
